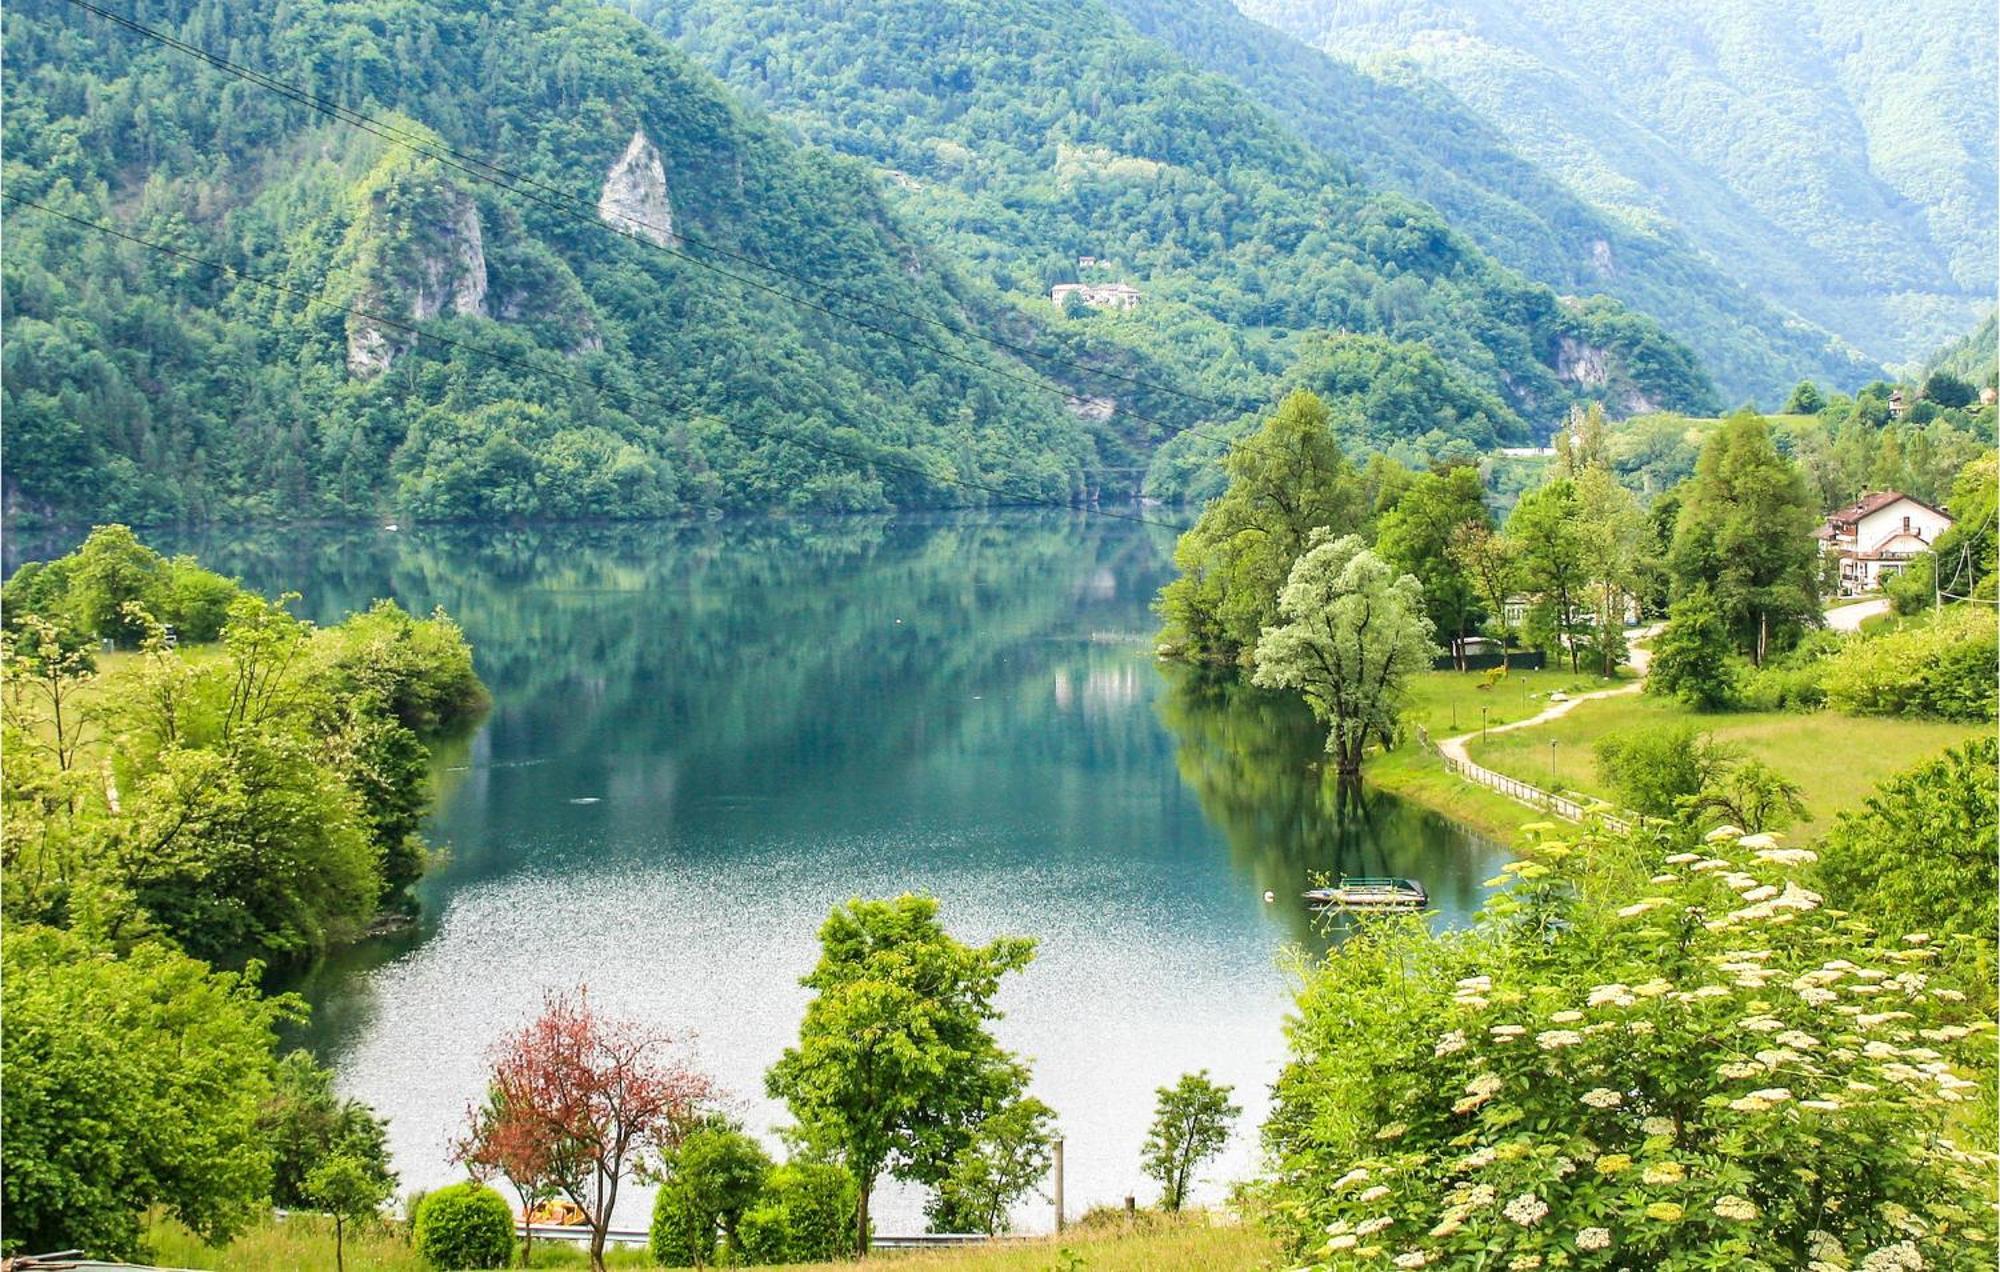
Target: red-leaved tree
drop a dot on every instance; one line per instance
(577, 1097)
(500, 1142)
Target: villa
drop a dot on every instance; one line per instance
(1876, 536)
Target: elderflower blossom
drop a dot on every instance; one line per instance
(1797, 1038)
(1524, 1263)
(1739, 1208)
(1369, 1227)
(1453, 1041)
(1614, 994)
(1658, 1126)
(1895, 1258)
(1602, 1098)
(1565, 1017)
(1665, 1173)
(1613, 1163)
(1394, 1130)
(1554, 1039)
(1526, 1210)
(1665, 1212)
(1410, 1259)
(1594, 1239)
(1359, 1175)
(1374, 1193)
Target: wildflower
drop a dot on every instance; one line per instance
(1740, 1069)
(1761, 840)
(1775, 1095)
(1657, 1126)
(1449, 1226)
(1796, 1038)
(1565, 1168)
(1722, 832)
(1739, 1208)
(1788, 856)
(1394, 1130)
(1526, 1210)
(1814, 997)
(1902, 1255)
(1486, 1084)
(1370, 1227)
(1760, 1024)
(1553, 1039)
(1524, 1262)
(1602, 1098)
(1359, 1175)
(1345, 1241)
(1664, 878)
(1478, 1160)
(1453, 1041)
(1612, 1163)
(1479, 1196)
(1638, 908)
(1594, 1239)
(1565, 1017)
(1665, 1212)
(1475, 985)
(1507, 1033)
(1617, 995)
(1763, 892)
(1665, 1173)
(1375, 1193)
(1918, 938)
(1411, 1259)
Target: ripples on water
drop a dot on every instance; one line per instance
(704, 737)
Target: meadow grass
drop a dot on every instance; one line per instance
(1835, 759)
(304, 1243)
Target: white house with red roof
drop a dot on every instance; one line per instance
(1877, 535)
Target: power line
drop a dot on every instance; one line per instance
(555, 199)
(318, 297)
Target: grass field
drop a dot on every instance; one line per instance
(304, 1243)
(1450, 702)
(1835, 759)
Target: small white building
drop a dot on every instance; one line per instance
(1877, 535)
(1097, 295)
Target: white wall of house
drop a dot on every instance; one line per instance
(1885, 540)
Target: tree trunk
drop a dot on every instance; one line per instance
(861, 1223)
(339, 1245)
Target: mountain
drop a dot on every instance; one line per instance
(1837, 156)
(1402, 132)
(1974, 358)
(1044, 143)
(145, 388)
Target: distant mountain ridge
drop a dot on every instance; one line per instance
(1403, 132)
(1835, 155)
(1044, 142)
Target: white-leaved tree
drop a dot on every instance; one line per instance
(1351, 633)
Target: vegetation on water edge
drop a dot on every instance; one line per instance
(1196, 1243)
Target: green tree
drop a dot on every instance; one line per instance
(1612, 532)
(1691, 655)
(1654, 769)
(1546, 529)
(1005, 1161)
(1487, 560)
(1919, 854)
(706, 1184)
(1806, 399)
(1746, 529)
(895, 1064)
(306, 1122)
(1286, 480)
(1745, 793)
(1416, 537)
(1351, 634)
(1947, 390)
(804, 1215)
(350, 1189)
(131, 1083)
(1191, 1123)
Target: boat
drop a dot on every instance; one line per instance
(1370, 894)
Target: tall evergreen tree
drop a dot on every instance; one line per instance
(1746, 529)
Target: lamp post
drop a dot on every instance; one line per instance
(1482, 722)
(1552, 763)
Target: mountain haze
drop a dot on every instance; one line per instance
(1835, 155)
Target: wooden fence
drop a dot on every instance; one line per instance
(1533, 796)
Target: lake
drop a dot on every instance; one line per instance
(704, 736)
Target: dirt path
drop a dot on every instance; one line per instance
(1454, 748)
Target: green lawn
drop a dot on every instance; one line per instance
(304, 1243)
(1450, 702)
(1835, 759)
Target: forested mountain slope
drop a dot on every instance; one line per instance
(1837, 155)
(1403, 132)
(1024, 135)
(145, 388)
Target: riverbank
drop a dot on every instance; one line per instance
(1447, 703)
(304, 1243)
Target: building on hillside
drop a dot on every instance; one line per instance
(1515, 611)
(1989, 395)
(1088, 262)
(1877, 535)
(1097, 295)
(1896, 404)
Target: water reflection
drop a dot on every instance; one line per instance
(703, 736)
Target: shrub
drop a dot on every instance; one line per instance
(706, 1184)
(1653, 768)
(1941, 667)
(1691, 657)
(1637, 1058)
(465, 1225)
(805, 1215)
(1920, 854)
(1795, 681)
(420, 670)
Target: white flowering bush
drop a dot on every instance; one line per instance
(1640, 1058)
